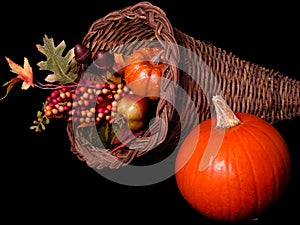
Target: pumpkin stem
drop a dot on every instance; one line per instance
(226, 118)
(155, 59)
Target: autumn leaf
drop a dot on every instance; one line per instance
(61, 66)
(24, 74)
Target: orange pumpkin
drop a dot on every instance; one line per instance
(142, 74)
(233, 167)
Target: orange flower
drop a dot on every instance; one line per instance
(24, 74)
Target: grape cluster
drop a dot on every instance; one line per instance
(59, 103)
(96, 103)
(87, 103)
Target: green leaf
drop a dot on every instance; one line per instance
(106, 134)
(110, 77)
(63, 67)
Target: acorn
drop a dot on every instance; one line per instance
(82, 53)
(104, 60)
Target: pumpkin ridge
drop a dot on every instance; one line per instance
(264, 147)
(285, 166)
(210, 206)
(238, 178)
(242, 144)
(206, 126)
(229, 183)
(282, 157)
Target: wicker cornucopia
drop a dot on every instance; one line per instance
(195, 71)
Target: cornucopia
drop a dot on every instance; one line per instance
(165, 77)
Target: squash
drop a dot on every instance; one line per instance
(133, 109)
(142, 73)
(232, 167)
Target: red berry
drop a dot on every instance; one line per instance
(64, 89)
(58, 99)
(112, 86)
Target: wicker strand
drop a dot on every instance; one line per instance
(247, 87)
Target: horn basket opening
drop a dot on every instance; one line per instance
(197, 67)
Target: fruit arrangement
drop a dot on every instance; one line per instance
(118, 94)
(102, 89)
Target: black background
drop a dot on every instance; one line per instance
(42, 181)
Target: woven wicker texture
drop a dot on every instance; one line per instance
(246, 87)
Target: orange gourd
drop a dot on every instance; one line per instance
(233, 167)
(142, 74)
